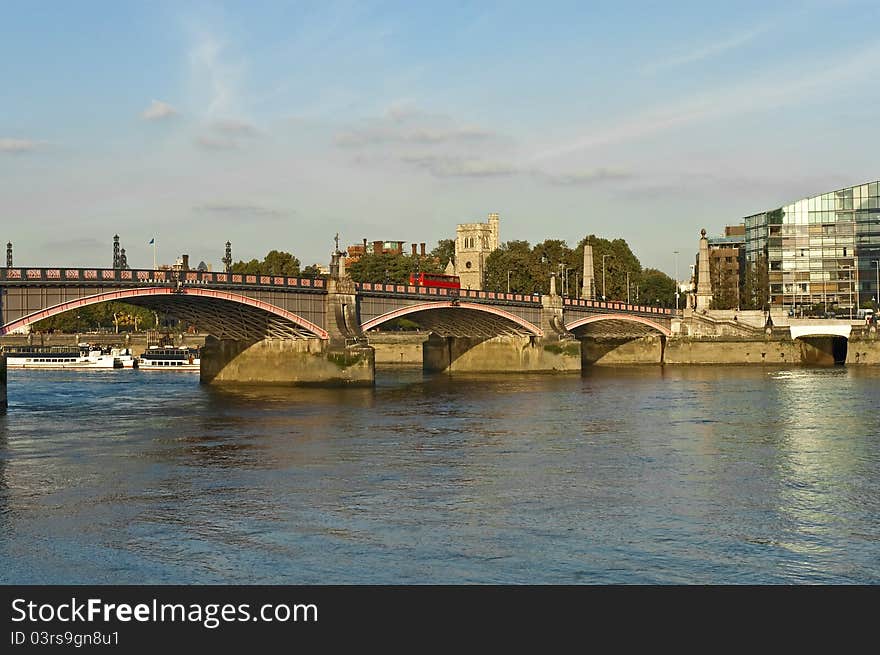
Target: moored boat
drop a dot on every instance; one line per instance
(166, 358)
(58, 357)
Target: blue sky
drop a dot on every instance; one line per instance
(278, 124)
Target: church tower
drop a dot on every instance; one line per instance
(473, 244)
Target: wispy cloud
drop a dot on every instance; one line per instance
(210, 142)
(450, 166)
(769, 92)
(714, 49)
(419, 136)
(214, 77)
(158, 110)
(17, 146)
(237, 210)
(235, 128)
(586, 178)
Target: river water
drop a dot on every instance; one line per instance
(627, 475)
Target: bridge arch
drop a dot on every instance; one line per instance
(220, 313)
(449, 318)
(645, 325)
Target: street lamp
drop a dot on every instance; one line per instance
(675, 252)
(876, 263)
(508, 281)
(627, 287)
(604, 297)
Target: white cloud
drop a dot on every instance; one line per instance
(158, 110)
(209, 142)
(17, 146)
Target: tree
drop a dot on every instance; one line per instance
(383, 267)
(275, 262)
(513, 256)
(619, 260)
(444, 252)
(656, 286)
(312, 271)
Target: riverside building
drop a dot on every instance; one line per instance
(822, 250)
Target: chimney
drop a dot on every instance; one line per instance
(185, 259)
(422, 246)
(377, 247)
(413, 250)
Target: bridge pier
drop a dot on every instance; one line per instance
(286, 361)
(505, 354)
(2, 384)
(613, 351)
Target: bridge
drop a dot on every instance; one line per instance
(267, 328)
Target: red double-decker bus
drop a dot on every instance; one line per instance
(435, 280)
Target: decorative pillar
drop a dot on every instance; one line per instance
(704, 283)
(588, 291)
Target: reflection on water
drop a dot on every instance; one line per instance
(630, 475)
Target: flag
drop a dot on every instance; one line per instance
(152, 241)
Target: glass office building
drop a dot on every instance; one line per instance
(823, 250)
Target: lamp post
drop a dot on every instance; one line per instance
(604, 297)
(876, 263)
(508, 281)
(627, 287)
(675, 252)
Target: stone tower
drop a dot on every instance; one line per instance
(473, 244)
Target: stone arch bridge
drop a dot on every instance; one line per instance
(298, 330)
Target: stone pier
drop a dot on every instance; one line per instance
(286, 361)
(507, 354)
(556, 351)
(2, 384)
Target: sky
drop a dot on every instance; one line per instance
(277, 125)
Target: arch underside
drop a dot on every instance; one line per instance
(224, 319)
(463, 320)
(616, 327)
(220, 314)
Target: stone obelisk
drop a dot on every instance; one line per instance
(588, 291)
(704, 283)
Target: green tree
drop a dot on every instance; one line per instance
(312, 271)
(275, 262)
(383, 267)
(515, 257)
(444, 252)
(619, 261)
(656, 287)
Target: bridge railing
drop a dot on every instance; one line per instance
(618, 306)
(409, 289)
(153, 277)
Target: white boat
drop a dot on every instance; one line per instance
(55, 357)
(124, 355)
(156, 358)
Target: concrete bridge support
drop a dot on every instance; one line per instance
(613, 351)
(2, 384)
(505, 354)
(343, 359)
(286, 361)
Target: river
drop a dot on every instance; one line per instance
(628, 475)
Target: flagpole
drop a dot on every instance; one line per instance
(154, 254)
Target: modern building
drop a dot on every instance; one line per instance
(822, 250)
(474, 242)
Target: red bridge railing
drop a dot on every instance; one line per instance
(149, 277)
